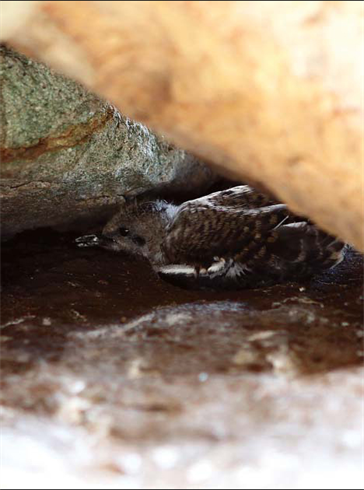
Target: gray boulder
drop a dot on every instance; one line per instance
(67, 155)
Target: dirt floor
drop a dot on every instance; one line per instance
(111, 377)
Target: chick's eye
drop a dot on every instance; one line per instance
(123, 231)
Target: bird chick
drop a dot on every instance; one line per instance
(232, 239)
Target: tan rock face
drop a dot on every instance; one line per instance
(271, 91)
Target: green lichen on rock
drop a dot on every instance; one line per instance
(38, 103)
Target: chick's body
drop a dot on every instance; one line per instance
(232, 239)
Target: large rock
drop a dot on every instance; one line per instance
(272, 91)
(66, 154)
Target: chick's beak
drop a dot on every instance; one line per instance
(102, 241)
